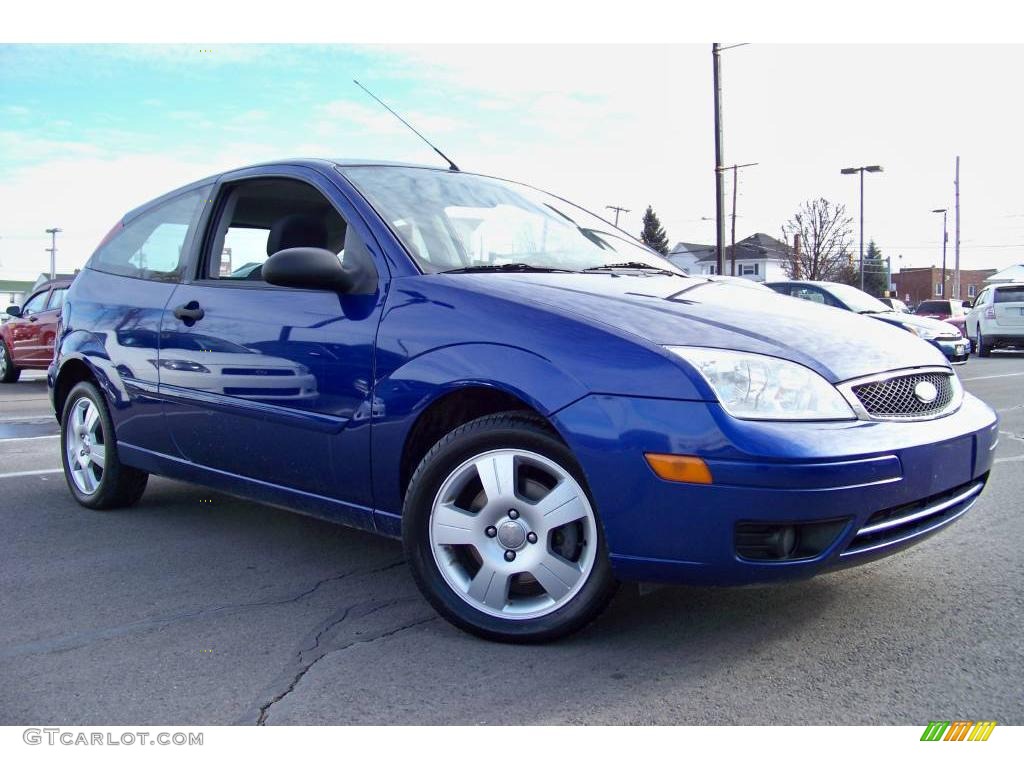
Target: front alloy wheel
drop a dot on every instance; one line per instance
(501, 534)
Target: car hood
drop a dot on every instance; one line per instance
(665, 309)
(919, 321)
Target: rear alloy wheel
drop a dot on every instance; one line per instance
(8, 372)
(501, 534)
(93, 471)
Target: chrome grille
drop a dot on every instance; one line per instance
(894, 397)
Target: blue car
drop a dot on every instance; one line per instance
(946, 337)
(536, 404)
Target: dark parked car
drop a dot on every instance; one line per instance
(535, 403)
(947, 338)
(27, 336)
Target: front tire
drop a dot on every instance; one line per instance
(501, 534)
(94, 473)
(9, 373)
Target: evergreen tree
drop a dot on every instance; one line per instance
(876, 274)
(653, 235)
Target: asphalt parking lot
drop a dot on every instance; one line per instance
(195, 607)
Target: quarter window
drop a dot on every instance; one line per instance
(152, 245)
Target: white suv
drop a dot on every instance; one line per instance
(997, 318)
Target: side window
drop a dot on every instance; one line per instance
(808, 294)
(260, 217)
(152, 245)
(35, 304)
(56, 298)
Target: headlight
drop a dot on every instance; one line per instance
(924, 333)
(753, 386)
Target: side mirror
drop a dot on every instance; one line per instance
(968, 304)
(318, 269)
(14, 311)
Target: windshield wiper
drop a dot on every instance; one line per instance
(502, 268)
(631, 265)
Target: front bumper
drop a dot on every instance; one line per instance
(859, 473)
(957, 351)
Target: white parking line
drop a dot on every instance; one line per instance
(997, 376)
(1005, 459)
(29, 472)
(35, 437)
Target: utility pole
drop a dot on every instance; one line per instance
(956, 236)
(945, 239)
(735, 185)
(716, 58)
(617, 210)
(53, 250)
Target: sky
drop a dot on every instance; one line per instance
(88, 132)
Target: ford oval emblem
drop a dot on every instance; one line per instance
(926, 392)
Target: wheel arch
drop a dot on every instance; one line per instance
(434, 393)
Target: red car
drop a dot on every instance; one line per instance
(26, 337)
(950, 310)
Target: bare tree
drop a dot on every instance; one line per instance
(826, 235)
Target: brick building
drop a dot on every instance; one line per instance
(915, 284)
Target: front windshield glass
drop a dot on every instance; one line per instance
(453, 221)
(857, 300)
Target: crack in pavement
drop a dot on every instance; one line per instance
(300, 666)
(72, 642)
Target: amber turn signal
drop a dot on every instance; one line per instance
(680, 469)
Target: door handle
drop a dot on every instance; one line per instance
(189, 313)
(33, 319)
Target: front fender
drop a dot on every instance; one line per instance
(401, 397)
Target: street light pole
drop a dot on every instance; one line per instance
(945, 239)
(860, 170)
(53, 250)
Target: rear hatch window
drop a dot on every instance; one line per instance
(933, 308)
(1009, 294)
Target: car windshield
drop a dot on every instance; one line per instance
(933, 308)
(856, 299)
(457, 221)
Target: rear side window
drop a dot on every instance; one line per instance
(56, 298)
(1010, 293)
(152, 245)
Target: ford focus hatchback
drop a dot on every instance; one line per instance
(536, 404)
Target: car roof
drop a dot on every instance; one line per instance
(321, 163)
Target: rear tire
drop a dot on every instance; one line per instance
(93, 471)
(501, 534)
(984, 350)
(9, 373)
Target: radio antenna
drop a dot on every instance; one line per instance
(451, 165)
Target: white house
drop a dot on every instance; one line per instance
(1014, 274)
(759, 257)
(686, 255)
